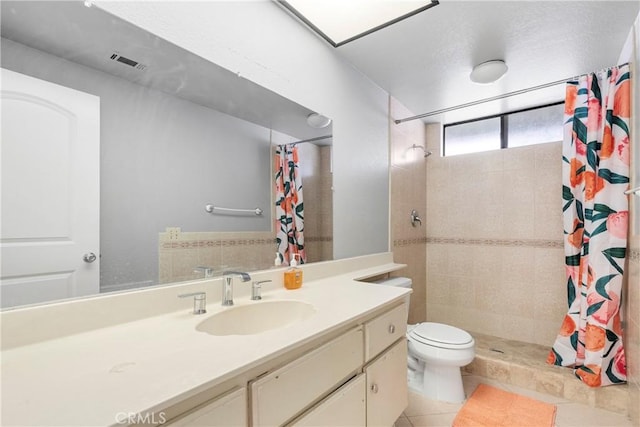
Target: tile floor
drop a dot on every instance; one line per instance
(423, 412)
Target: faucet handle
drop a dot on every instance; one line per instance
(244, 276)
(199, 301)
(208, 271)
(256, 288)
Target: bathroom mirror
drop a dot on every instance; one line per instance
(177, 132)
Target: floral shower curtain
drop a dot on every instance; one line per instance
(289, 204)
(595, 175)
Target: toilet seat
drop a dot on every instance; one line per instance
(441, 336)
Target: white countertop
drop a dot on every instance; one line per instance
(88, 378)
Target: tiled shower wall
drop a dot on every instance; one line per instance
(408, 175)
(494, 241)
(488, 256)
(180, 252)
(317, 181)
(492, 233)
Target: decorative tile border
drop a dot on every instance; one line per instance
(196, 244)
(633, 254)
(409, 242)
(318, 239)
(535, 243)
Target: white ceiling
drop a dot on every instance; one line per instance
(89, 36)
(425, 60)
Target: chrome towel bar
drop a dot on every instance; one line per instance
(217, 209)
(635, 191)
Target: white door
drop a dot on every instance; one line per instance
(50, 149)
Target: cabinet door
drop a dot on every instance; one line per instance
(387, 393)
(227, 410)
(345, 407)
(284, 393)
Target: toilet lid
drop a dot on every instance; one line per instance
(440, 335)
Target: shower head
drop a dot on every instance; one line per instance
(426, 153)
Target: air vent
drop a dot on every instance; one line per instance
(126, 61)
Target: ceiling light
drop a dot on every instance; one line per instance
(488, 72)
(341, 21)
(318, 121)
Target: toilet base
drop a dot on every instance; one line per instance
(442, 383)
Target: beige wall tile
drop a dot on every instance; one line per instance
(520, 159)
(518, 328)
(546, 331)
(503, 195)
(577, 391)
(522, 376)
(550, 382)
(482, 321)
(613, 398)
(633, 405)
(548, 156)
(499, 370)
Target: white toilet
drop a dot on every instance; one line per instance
(436, 352)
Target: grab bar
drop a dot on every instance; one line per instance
(635, 191)
(212, 209)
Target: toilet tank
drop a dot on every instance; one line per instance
(402, 282)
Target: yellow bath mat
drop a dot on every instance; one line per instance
(491, 407)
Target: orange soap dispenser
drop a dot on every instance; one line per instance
(293, 275)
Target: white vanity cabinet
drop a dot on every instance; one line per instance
(384, 330)
(387, 393)
(345, 407)
(386, 370)
(358, 378)
(230, 409)
(282, 394)
(379, 395)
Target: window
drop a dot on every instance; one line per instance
(537, 125)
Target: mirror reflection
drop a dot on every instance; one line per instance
(118, 146)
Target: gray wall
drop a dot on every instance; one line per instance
(162, 160)
(263, 43)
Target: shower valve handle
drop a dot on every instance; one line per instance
(415, 218)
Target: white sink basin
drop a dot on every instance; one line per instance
(255, 318)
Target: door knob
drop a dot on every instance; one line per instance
(90, 257)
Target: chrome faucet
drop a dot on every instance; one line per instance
(227, 285)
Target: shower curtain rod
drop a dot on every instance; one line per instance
(317, 138)
(493, 98)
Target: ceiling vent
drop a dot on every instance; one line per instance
(126, 61)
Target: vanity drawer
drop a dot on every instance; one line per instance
(281, 394)
(227, 410)
(344, 407)
(384, 330)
